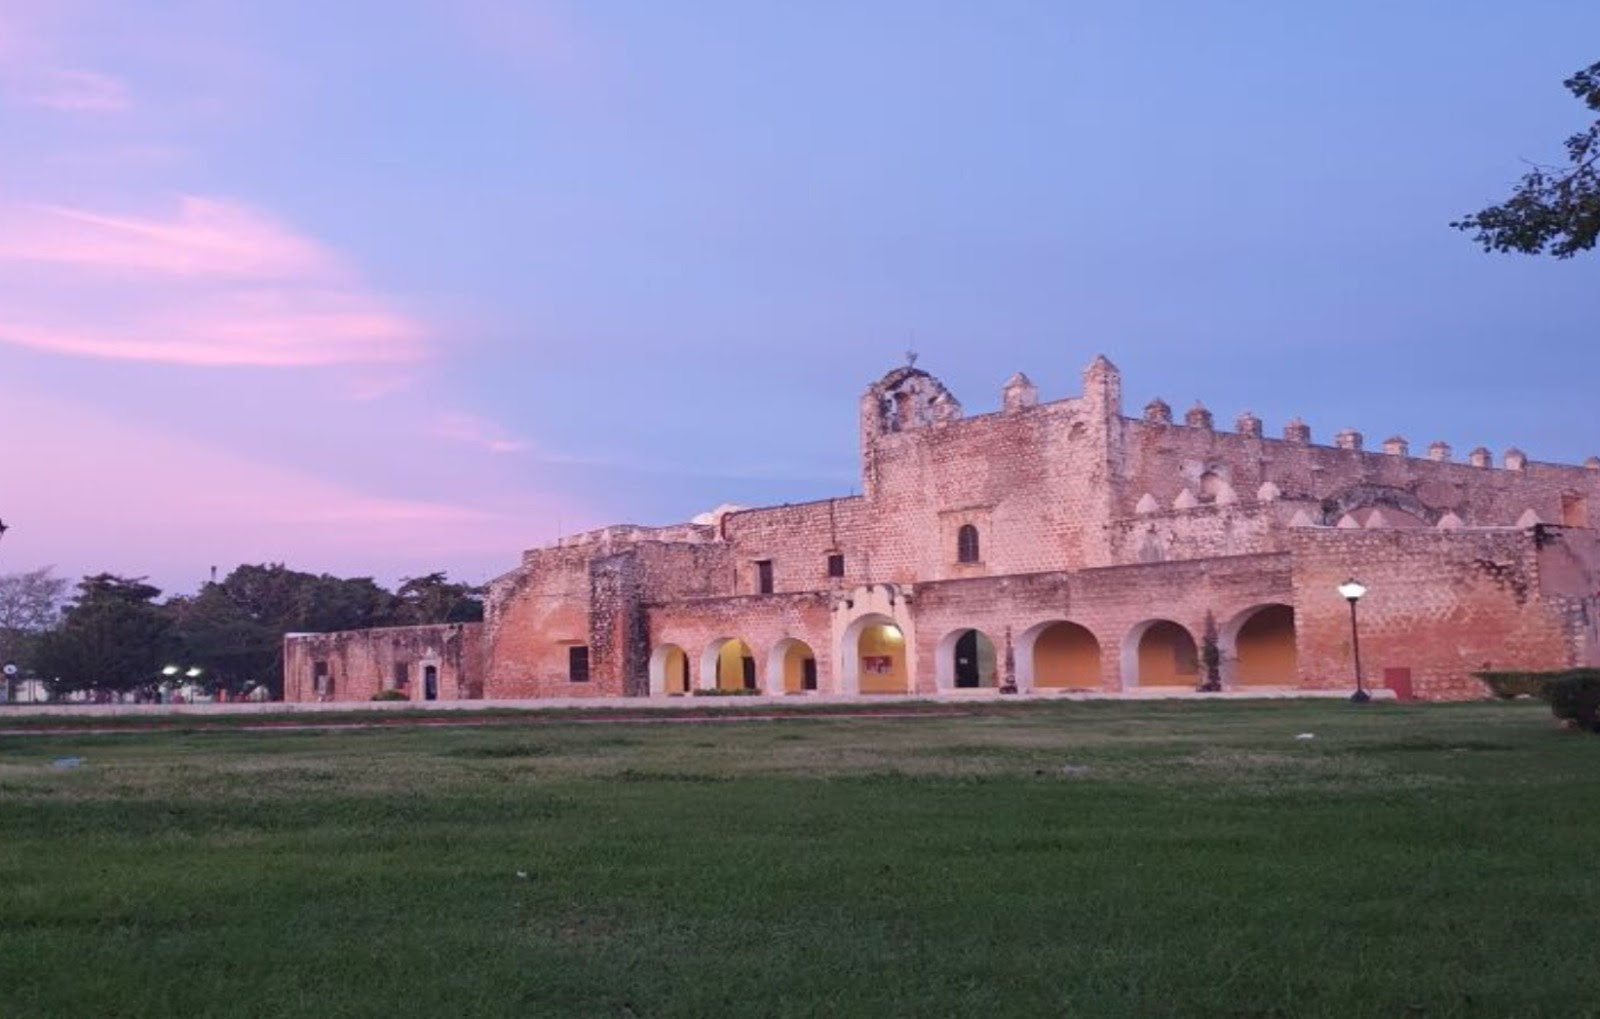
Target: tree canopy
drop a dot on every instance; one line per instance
(1553, 209)
(113, 637)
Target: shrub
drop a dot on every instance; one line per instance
(726, 693)
(390, 695)
(1574, 696)
(1506, 685)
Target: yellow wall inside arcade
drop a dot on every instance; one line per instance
(1066, 655)
(1168, 657)
(730, 665)
(794, 658)
(879, 641)
(1266, 651)
(675, 671)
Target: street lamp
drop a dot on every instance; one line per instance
(1351, 591)
(191, 673)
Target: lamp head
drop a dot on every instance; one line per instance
(169, 670)
(1352, 590)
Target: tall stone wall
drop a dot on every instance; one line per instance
(1441, 604)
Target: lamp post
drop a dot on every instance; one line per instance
(1351, 591)
(191, 673)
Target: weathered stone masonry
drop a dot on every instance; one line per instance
(1047, 546)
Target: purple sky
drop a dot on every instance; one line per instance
(390, 286)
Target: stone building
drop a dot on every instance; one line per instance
(1049, 546)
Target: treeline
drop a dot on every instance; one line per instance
(116, 635)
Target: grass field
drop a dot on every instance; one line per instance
(1084, 859)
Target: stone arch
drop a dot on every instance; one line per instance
(908, 398)
(966, 659)
(1214, 488)
(669, 671)
(1060, 655)
(1259, 646)
(1396, 503)
(791, 667)
(874, 656)
(728, 663)
(1159, 652)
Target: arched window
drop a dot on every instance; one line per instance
(967, 544)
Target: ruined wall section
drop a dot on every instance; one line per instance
(360, 663)
(1569, 575)
(591, 593)
(1441, 604)
(532, 617)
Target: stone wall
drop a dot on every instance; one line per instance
(1441, 604)
(360, 663)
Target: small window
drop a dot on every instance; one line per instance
(578, 664)
(763, 576)
(836, 565)
(967, 544)
(321, 680)
(402, 676)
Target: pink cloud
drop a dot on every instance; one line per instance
(203, 237)
(72, 91)
(471, 429)
(91, 493)
(213, 283)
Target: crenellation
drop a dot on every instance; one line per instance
(1347, 438)
(1198, 417)
(1247, 424)
(1439, 452)
(1481, 457)
(1297, 431)
(1396, 445)
(1158, 412)
(1515, 460)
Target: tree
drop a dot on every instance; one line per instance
(1553, 208)
(434, 599)
(113, 637)
(30, 604)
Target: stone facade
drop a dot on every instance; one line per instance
(1047, 546)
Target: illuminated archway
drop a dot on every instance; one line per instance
(669, 671)
(729, 664)
(1058, 655)
(791, 667)
(874, 657)
(1258, 646)
(1159, 652)
(966, 660)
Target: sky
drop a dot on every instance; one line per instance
(384, 287)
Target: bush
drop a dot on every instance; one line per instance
(390, 695)
(727, 693)
(1506, 685)
(1574, 696)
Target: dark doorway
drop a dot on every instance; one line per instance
(808, 674)
(749, 672)
(967, 659)
(430, 682)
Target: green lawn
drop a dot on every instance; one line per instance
(1082, 859)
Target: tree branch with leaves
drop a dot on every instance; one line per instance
(1554, 209)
